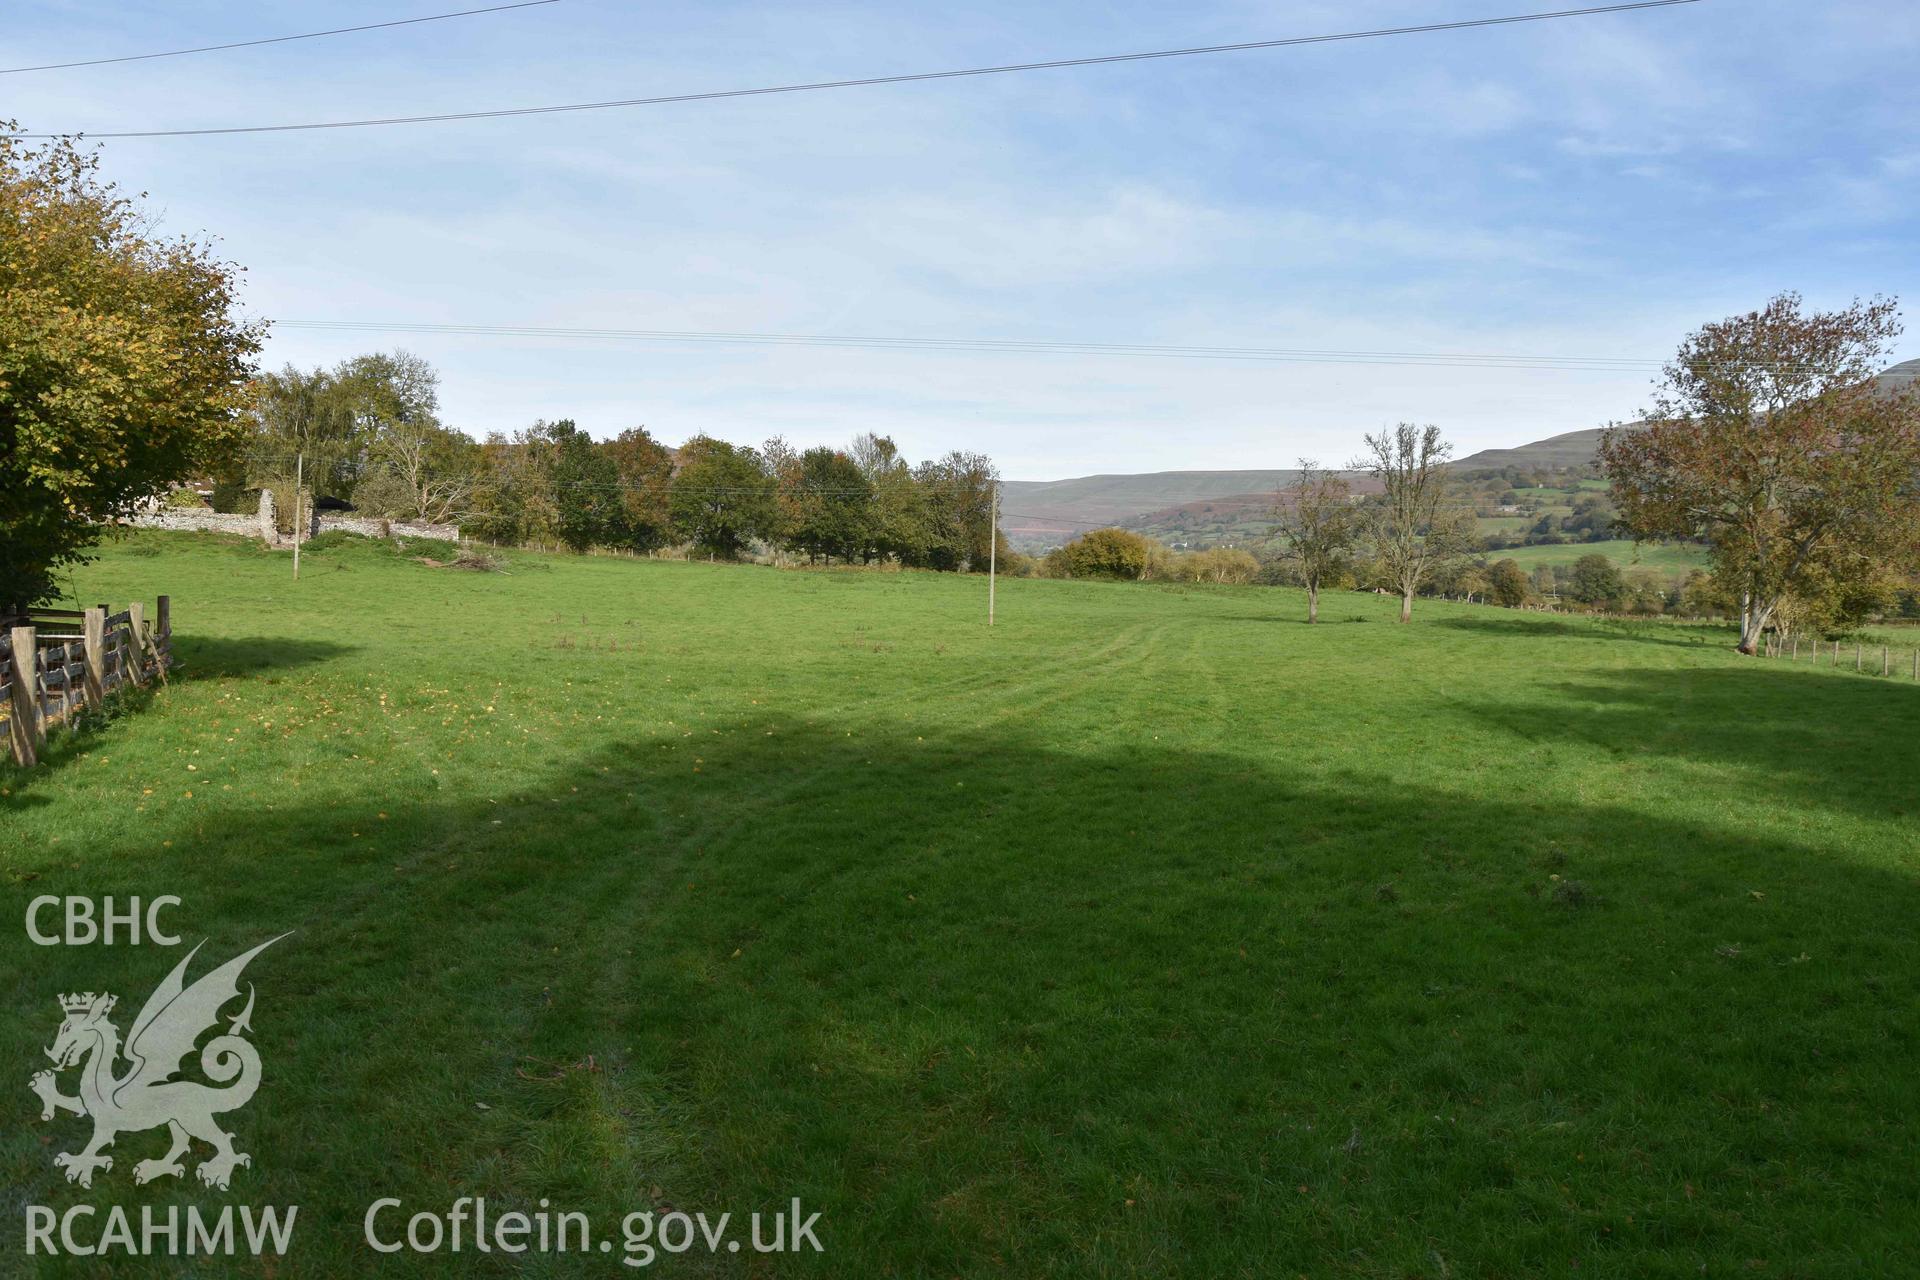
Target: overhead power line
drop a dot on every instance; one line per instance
(248, 44)
(865, 81)
(1004, 346)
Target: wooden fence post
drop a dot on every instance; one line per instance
(1884, 660)
(137, 632)
(94, 633)
(163, 635)
(1856, 655)
(23, 728)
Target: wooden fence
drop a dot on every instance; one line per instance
(56, 663)
(1867, 659)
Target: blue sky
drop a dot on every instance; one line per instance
(1595, 186)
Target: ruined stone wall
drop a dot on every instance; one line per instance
(261, 523)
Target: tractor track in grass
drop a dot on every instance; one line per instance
(616, 900)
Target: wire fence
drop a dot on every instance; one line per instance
(1883, 660)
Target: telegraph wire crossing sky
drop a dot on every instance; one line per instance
(1177, 263)
(1458, 359)
(863, 82)
(248, 44)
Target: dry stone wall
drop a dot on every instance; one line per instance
(261, 523)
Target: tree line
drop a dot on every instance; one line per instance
(366, 435)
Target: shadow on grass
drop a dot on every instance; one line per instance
(215, 657)
(1328, 618)
(1829, 743)
(1652, 631)
(993, 1006)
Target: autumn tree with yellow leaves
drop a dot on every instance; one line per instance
(123, 366)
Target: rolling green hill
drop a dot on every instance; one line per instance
(1672, 556)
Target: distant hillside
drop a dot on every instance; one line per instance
(1233, 520)
(1580, 448)
(1574, 449)
(1212, 508)
(1051, 510)
(1901, 376)
(1164, 503)
(1053, 505)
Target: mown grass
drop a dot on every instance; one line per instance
(1150, 933)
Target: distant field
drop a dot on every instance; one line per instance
(1150, 933)
(1553, 494)
(1678, 558)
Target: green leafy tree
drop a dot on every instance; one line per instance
(722, 498)
(1215, 564)
(123, 363)
(1108, 553)
(515, 501)
(898, 520)
(960, 491)
(1507, 584)
(833, 509)
(586, 488)
(1470, 581)
(643, 468)
(1596, 580)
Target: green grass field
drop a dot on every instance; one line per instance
(1558, 493)
(1676, 558)
(1151, 932)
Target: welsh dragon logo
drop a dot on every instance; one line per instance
(145, 1095)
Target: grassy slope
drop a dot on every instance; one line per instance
(1574, 448)
(1149, 933)
(1667, 556)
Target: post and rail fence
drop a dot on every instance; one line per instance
(57, 663)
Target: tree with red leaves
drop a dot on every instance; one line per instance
(1770, 440)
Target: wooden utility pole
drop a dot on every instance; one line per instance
(299, 468)
(993, 548)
